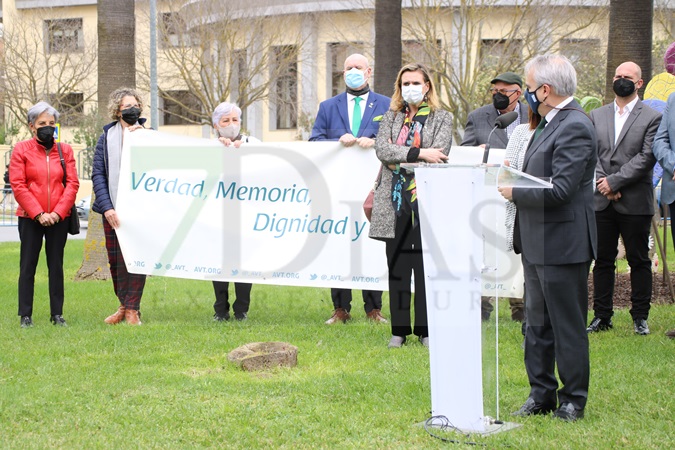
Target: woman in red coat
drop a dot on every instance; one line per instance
(36, 176)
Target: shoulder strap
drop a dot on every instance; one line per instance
(63, 162)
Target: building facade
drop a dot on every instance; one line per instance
(280, 58)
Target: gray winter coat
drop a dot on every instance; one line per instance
(437, 133)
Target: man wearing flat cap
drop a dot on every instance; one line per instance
(506, 91)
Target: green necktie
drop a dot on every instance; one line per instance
(356, 117)
(539, 129)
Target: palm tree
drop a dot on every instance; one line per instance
(387, 45)
(629, 39)
(116, 68)
(116, 47)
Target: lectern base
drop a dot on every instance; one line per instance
(491, 426)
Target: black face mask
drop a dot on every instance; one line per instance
(46, 136)
(500, 101)
(623, 87)
(131, 115)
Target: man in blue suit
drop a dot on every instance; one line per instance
(352, 117)
(664, 152)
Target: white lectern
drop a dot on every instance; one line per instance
(451, 198)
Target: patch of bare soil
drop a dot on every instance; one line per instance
(660, 292)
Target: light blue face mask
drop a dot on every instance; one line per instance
(355, 78)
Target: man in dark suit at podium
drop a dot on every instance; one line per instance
(556, 234)
(352, 117)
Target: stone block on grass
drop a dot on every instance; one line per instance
(264, 355)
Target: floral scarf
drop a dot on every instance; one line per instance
(404, 188)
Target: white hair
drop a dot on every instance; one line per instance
(39, 108)
(555, 70)
(224, 109)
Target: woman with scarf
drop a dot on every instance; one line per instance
(45, 195)
(515, 154)
(125, 107)
(415, 129)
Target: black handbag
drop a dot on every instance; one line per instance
(74, 219)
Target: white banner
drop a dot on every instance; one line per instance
(272, 213)
(278, 213)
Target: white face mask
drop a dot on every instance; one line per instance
(230, 131)
(413, 94)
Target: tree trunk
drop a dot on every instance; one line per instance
(630, 39)
(116, 68)
(388, 46)
(116, 50)
(95, 258)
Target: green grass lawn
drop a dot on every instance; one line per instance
(168, 384)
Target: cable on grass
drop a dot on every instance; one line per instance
(444, 424)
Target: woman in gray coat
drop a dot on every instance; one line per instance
(415, 129)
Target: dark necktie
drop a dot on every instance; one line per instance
(539, 128)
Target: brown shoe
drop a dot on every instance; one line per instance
(376, 316)
(339, 315)
(132, 317)
(671, 334)
(117, 317)
(517, 314)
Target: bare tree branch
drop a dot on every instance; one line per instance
(37, 70)
(220, 57)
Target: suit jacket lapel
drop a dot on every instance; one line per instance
(499, 136)
(545, 134)
(368, 112)
(610, 128)
(343, 109)
(629, 122)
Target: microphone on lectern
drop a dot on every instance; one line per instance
(501, 122)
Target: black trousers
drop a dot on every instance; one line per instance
(242, 299)
(31, 234)
(404, 256)
(635, 233)
(556, 310)
(342, 298)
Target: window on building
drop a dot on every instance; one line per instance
(179, 108)
(70, 107)
(63, 35)
(337, 53)
(577, 50)
(501, 54)
(286, 86)
(589, 60)
(173, 31)
(422, 53)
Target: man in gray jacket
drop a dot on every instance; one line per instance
(624, 197)
(506, 90)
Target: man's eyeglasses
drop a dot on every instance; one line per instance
(506, 92)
